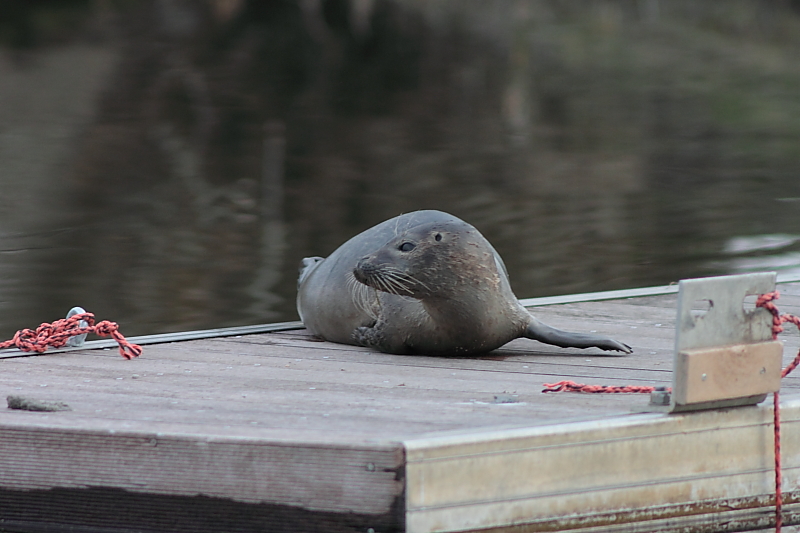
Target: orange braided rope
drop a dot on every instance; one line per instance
(57, 334)
(571, 386)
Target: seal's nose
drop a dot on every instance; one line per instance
(363, 269)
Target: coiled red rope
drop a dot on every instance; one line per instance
(57, 334)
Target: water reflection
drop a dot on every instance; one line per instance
(776, 252)
(167, 163)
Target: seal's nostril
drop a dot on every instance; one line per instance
(363, 269)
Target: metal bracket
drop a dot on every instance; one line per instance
(724, 353)
(77, 340)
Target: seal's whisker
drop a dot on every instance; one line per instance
(364, 297)
(390, 287)
(400, 280)
(396, 281)
(427, 289)
(408, 278)
(394, 285)
(370, 303)
(418, 282)
(394, 271)
(397, 288)
(351, 283)
(404, 279)
(380, 286)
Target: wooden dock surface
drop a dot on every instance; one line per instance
(281, 432)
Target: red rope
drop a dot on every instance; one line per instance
(778, 319)
(57, 334)
(571, 386)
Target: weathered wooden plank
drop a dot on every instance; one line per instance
(361, 399)
(315, 476)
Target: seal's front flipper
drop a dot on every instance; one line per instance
(374, 337)
(541, 332)
(366, 336)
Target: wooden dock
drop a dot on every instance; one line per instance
(277, 431)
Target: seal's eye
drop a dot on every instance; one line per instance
(406, 247)
(438, 237)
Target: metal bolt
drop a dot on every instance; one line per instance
(370, 467)
(77, 340)
(703, 377)
(660, 397)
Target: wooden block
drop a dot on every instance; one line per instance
(723, 373)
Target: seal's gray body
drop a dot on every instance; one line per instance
(442, 289)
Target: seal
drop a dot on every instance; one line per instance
(422, 283)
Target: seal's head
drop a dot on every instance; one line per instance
(434, 260)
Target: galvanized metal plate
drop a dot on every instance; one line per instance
(724, 322)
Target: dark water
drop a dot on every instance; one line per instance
(166, 164)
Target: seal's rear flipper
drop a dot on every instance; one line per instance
(307, 265)
(541, 332)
